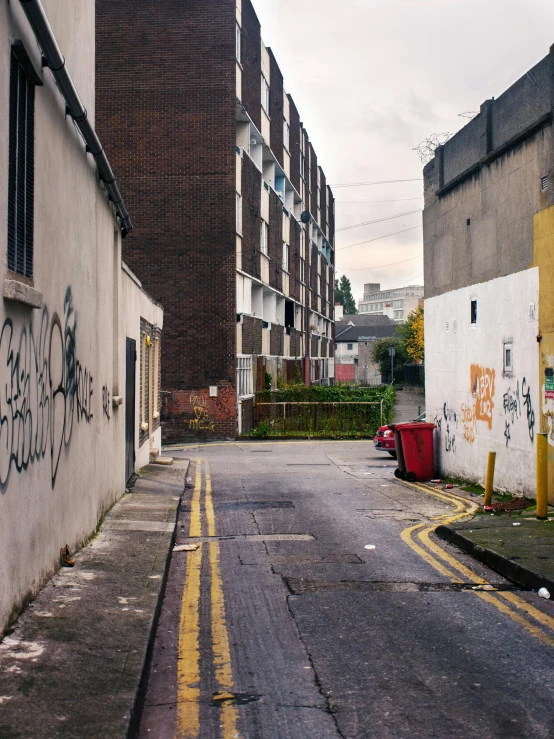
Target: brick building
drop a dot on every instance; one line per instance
(234, 221)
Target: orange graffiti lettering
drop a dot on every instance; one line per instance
(482, 389)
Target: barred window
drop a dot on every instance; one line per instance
(21, 170)
(244, 376)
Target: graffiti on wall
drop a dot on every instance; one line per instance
(106, 401)
(528, 405)
(469, 424)
(45, 388)
(201, 420)
(482, 390)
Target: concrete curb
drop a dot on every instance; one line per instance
(504, 566)
(140, 695)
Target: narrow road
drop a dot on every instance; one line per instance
(283, 624)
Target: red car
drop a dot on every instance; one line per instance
(384, 438)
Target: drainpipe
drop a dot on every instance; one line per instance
(52, 58)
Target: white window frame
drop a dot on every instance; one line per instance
(143, 383)
(238, 213)
(285, 256)
(265, 94)
(245, 377)
(238, 44)
(264, 237)
(286, 135)
(155, 393)
(508, 347)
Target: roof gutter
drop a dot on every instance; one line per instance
(52, 57)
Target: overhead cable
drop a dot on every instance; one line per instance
(379, 220)
(378, 238)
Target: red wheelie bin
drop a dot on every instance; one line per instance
(414, 450)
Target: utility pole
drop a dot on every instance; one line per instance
(392, 352)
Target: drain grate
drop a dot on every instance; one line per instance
(302, 587)
(255, 505)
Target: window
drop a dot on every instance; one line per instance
(238, 43)
(397, 303)
(144, 375)
(473, 311)
(239, 212)
(350, 347)
(544, 184)
(264, 237)
(286, 135)
(156, 385)
(508, 356)
(398, 315)
(21, 170)
(244, 376)
(302, 270)
(285, 257)
(265, 95)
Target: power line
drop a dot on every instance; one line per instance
(394, 200)
(419, 225)
(379, 220)
(379, 266)
(377, 182)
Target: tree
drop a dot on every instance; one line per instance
(412, 335)
(343, 295)
(380, 355)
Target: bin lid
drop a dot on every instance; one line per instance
(412, 425)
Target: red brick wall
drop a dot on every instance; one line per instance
(251, 335)
(275, 241)
(165, 112)
(276, 108)
(294, 144)
(251, 184)
(251, 64)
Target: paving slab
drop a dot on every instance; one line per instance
(521, 550)
(74, 664)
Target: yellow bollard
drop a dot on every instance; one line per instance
(542, 476)
(490, 478)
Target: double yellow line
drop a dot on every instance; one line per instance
(451, 568)
(189, 662)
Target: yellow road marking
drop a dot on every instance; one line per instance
(405, 535)
(493, 599)
(503, 608)
(220, 636)
(188, 665)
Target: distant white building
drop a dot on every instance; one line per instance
(396, 304)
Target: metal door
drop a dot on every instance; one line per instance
(130, 375)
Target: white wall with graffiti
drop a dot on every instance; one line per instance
(481, 379)
(63, 318)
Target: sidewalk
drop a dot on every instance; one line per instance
(519, 547)
(73, 665)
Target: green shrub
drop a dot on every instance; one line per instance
(261, 430)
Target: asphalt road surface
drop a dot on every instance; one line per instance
(283, 624)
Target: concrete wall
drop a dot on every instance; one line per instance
(483, 187)
(61, 439)
(477, 406)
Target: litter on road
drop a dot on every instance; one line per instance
(544, 593)
(186, 548)
(369, 546)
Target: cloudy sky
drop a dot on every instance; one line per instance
(374, 78)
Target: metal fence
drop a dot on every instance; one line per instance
(414, 374)
(348, 420)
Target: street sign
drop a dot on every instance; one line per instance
(392, 351)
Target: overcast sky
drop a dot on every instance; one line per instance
(373, 78)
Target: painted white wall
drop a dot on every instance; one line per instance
(473, 421)
(62, 458)
(137, 304)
